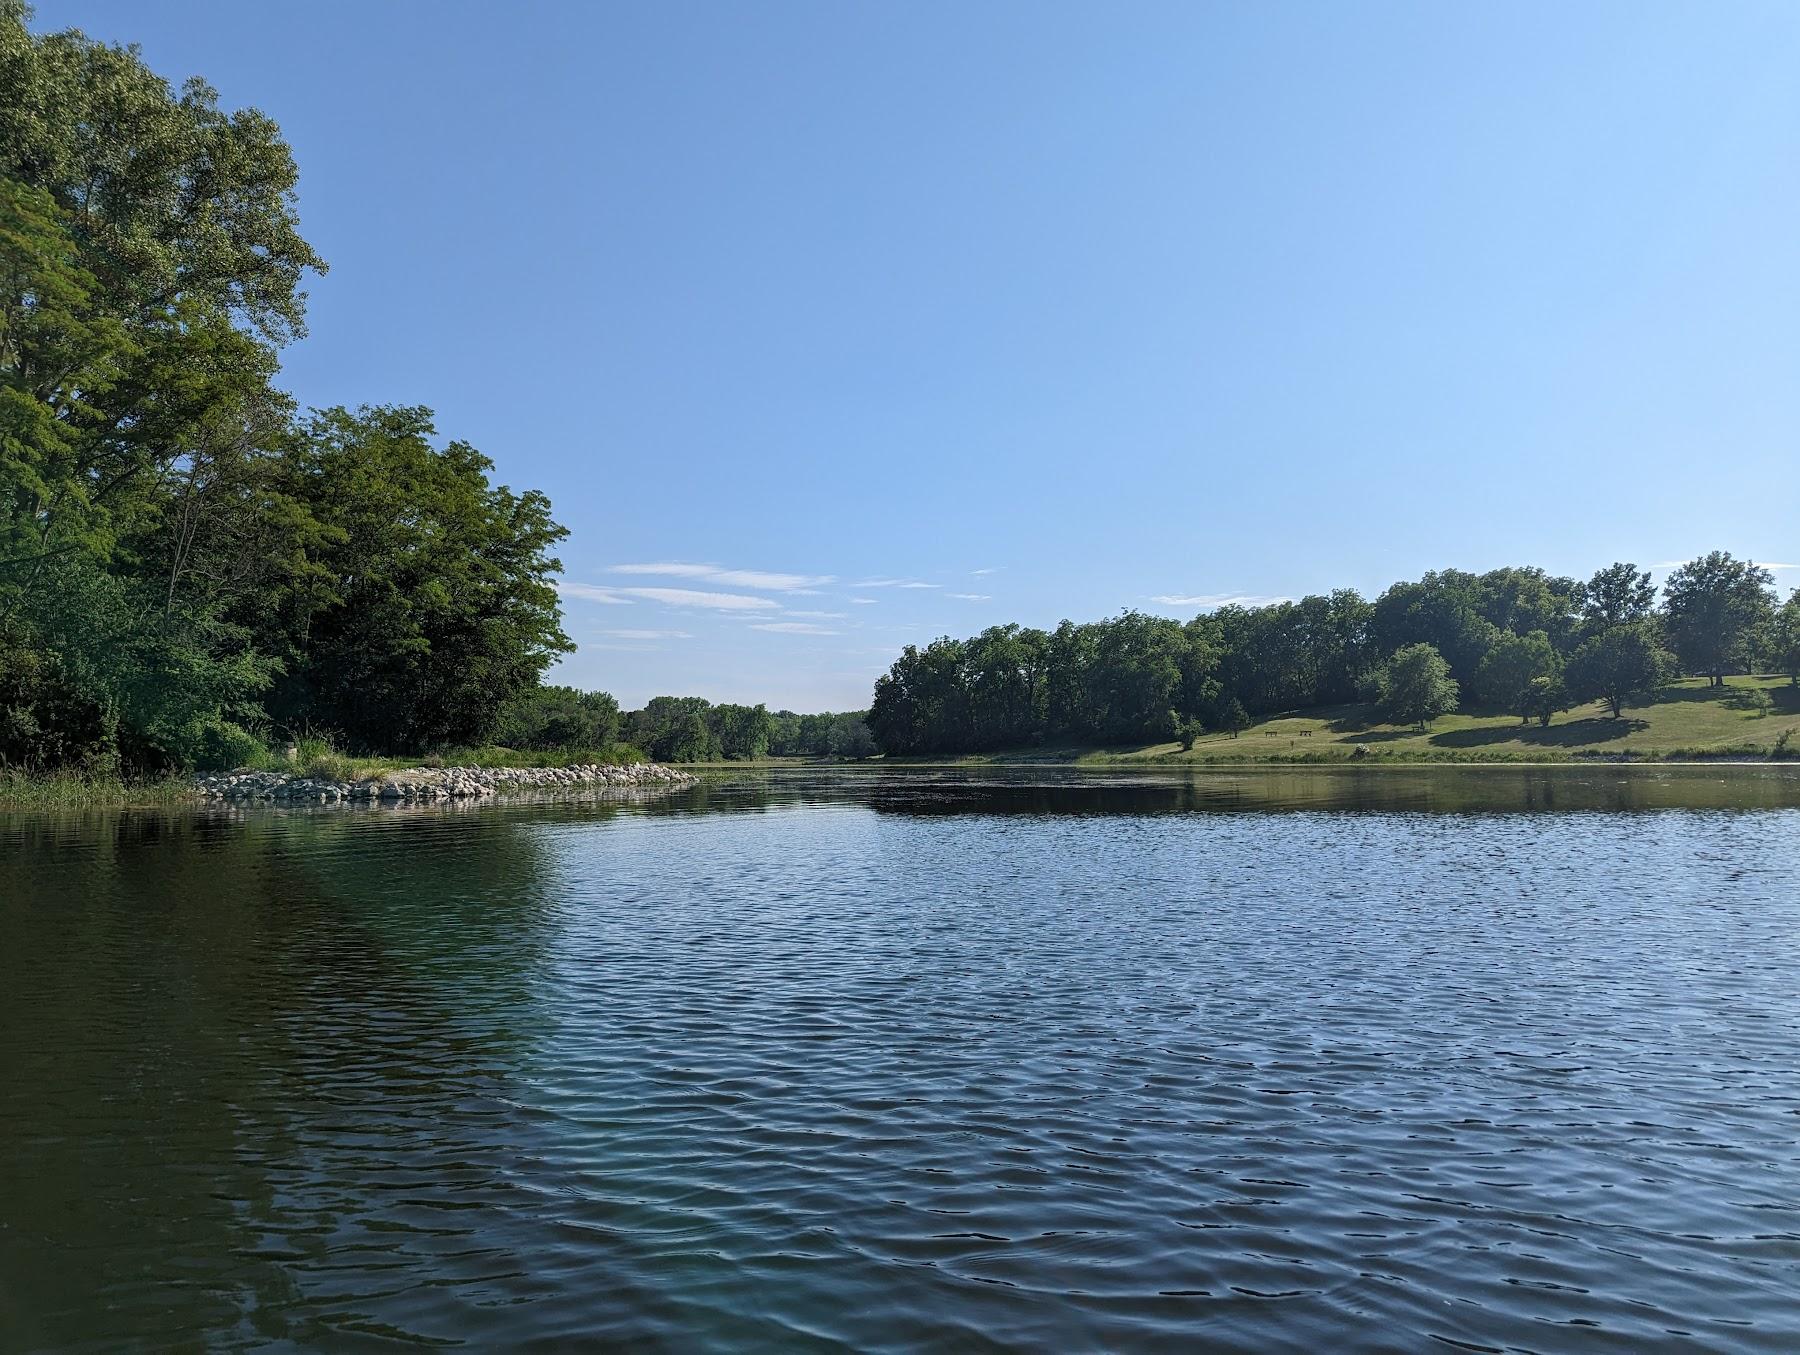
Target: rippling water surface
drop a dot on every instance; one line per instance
(1489, 1061)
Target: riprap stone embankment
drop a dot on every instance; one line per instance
(437, 783)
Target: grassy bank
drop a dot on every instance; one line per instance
(21, 790)
(69, 790)
(316, 759)
(1689, 722)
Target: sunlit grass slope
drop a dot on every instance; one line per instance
(1690, 720)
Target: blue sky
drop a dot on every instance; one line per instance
(832, 327)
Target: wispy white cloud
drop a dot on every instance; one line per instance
(793, 628)
(972, 597)
(672, 597)
(590, 593)
(865, 602)
(648, 634)
(1207, 602)
(666, 569)
(731, 578)
(688, 597)
(825, 616)
(978, 572)
(895, 583)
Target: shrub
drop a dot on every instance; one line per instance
(328, 767)
(220, 745)
(1753, 699)
(1186, 730)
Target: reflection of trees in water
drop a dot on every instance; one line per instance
(1423, 789)
(236, 1049)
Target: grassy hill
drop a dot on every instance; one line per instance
(1690, 720)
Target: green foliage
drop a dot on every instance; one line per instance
(432, 604)
(1784, 638)
(1113, 681)
(1442, 610)
(328, 766)
(693, 729)
(1523, 600)
(1716, 605)
(1755, 700)
(1416, 687)
(1187, 730)
(1521, 674)
(69, 789)
(180, 563)
(558, 717)
(843, 734)
(178, 197)
(742, 732)
(174, 681)
(1624, 665)
(1544, 697)
(1230, 716)
(1509, 636)
(1619, 595)
(1286, 654)
(45, 720)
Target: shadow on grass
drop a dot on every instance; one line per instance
(1351, 719)
(1577, 733)
(1722, 695)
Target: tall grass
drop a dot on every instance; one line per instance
(71, 790)
(317, 758)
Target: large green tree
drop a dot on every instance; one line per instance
(1415, 686)
(150, 265)
(1784, 638)
(1619, 595)
(150, 262)
(1623, 665)
(1522, 599)
(169, 195)
(1520, 674)
(1444, 609)
(433, 602)
(1715, 606)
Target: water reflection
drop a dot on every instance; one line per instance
(1423, 789)
(250, 1062)
(973, 1059)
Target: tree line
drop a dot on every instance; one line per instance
(1518, 640)
(189, 564)
(677, 728)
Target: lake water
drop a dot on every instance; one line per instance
(1490, 1060)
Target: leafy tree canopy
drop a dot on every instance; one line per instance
(1415, 686)
(1715, 606)
(1622, 666)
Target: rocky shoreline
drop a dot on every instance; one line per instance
(417, 784)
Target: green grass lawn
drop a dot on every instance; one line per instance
(1691, 720)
